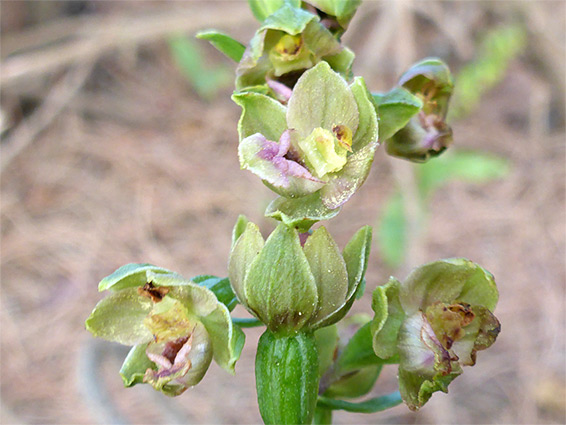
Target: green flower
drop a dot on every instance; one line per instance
(289, 41)
(426, 135)
(175, 326)
(323, 142)
(435, 321)
(291, 287)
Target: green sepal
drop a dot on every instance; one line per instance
(135, 365)
(305, 113)
(389, 316)
(447, 281)
(244, 251)
(395, 108)
(119, 318)
(239, 228)
(129, 276)
(356, 256)
(326, 343)
(224, 43)
(261, 9)
(283, 297)
(301, 213)
(343, 10)
(329, 271)
(287, 378)
(220, 287)
(367, 131)
(372, 405)
(288, 18)
(358, 353)
(260, 114)
(342, 62)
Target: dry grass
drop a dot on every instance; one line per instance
(133, 167)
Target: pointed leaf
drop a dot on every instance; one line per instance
(224, 43)
(358, 353)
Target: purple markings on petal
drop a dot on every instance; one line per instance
(269, 160)
(282, 92)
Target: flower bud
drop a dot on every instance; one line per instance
(290, 287)
(426, 135)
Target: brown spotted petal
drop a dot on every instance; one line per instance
(420, 351)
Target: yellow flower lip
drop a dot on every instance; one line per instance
(344, 136)
(289, 45)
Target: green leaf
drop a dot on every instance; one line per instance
(246, 248)
(260, 114)
(224, 43)
(264, 8)
(301, 213)
(355, 384)
(358, 353)
(119, 318)
(392, 231)
(129, 276)
(372, 405)
(389, 316)
(474, 167)
(313, 103)
(326, 343)
(395, 108)
(279, 286)
(134, 366)
(220, 287)
(329, 271)
(191, 63)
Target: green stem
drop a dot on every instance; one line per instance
(322, 416)
(368, 406)
(247, 323)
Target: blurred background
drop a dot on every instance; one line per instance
(119, 145)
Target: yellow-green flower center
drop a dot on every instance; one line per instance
(325, 152)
